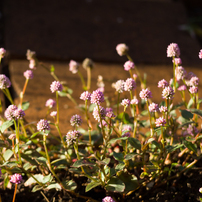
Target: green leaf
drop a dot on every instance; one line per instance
(82, 162)
(114, 140)
(34, 135)
(115, 185)
(47, 178)
(186, 114)
(118, 156)
(130, 181)
(120, 166)
(92, 185)
(190, 146)
(52, 69)
(58, 162)
(7, 154)
(130, 156)
(134, 143)
(25, 106)
(191, 102)
(186, 124)
(37, 188)
(31, 180)
(6, 125)
(29, 159)
(171, 148)
(62, 93)
(196, 111)
(54, 186)
(70, 185)
(125, 117)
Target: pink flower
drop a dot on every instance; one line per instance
(119, 86)
(180, 73)
(12, 112)
(56, 86)
(2, 52)
(168, 93)
(109, 113)
(73, 66)
(96, 114)
(162, 83)
(200, 54)
(16, 178)
(12, 136)
(129, 84)
(108, 199)
(177, 61)
(75, 120)
(193, 89)
(127, 128)
(194, 81)
(145, 94)
(72, 136)
(32, 64)
(134, 101)
(122, 49)
(129, 65)
(85, 96)
(97, 97)
(125, 102)
(182, 87)
(28, 74)
(173, 50)
(4, 82)
(43, 125)
(53, 113)
(163, 109)
(153, 107)
(50, 103)
(160, 121)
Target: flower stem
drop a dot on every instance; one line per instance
(16, 185)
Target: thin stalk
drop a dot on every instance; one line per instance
(174, 79)
(150, 119)
(17, 140)
(23, 92)
(57, 104)
(118, 104)
(62, 140)
(8, 95)
(129, 58)
(88, 78)
(82, 79)
(16, 185)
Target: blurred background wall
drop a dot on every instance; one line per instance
(76, 29)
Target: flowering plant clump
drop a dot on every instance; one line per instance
(126, 145)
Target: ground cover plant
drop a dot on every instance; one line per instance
(135, 146)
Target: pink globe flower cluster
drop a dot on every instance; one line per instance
(28, 74)
(73, 66)
(4, 82)
(96, 114)
(56, 86)
(180, 73)
(200, 54)
(129, 84)
(50, 103)
(145, 94)
(129, 65)
(163, 83)
(72, 136)
(85, 96)
(125, 102)
(177, 61)
(75, 120)
(153, 107)
(173, 50)
(119, 86)
(160, 122)
(13, 112)
(168, 93)
(110, 113)
(122, 49)
(108, 199)
(134, 101)
(97, 97)
(43, 126)
(16, 178)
